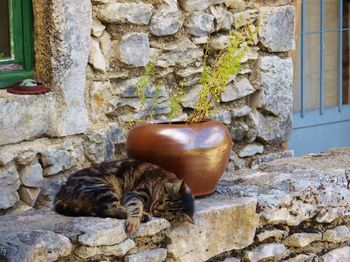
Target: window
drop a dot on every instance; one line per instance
(16, 41)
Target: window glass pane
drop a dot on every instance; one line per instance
(5, 43)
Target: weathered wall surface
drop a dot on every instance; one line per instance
(92, 54)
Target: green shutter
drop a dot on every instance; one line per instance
(21, 28)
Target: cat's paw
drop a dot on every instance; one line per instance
(132, 224)
(146, 217)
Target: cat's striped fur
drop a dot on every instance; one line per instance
(128, 189)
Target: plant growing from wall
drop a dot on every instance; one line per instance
(214, 79)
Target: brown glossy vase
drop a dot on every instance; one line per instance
(197, 153)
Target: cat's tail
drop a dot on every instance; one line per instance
(64, 209)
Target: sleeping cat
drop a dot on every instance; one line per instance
(127, 189)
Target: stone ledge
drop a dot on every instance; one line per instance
(24, 117)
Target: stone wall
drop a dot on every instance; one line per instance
(86, 117)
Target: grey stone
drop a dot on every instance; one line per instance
(190, 76)
(223, 18)
(111, 250)
(18, 112)
(105, 43)
(231, 259)
(62, 53)
(180, 54)
(96, 58)
(99, 94)
(277, 38)
(224, 116)
(26, 158)
(8, 175)
(239, 163)
(189, 99)
(200, 24)
(251, 53)
(271, 157)
(211, 235)
(100, 231)
(200, 40)
(97, 28)
(241, 112)
(276, 83)
(166, 21)
(250, 137)
(238, 130)
(251, 150)
(156, 255)
(238, 89)
(57, 159)
(36, 246)
(337, 235)
(236, 4)
(275, 234)
(246, 17)
(265, 251)
(9, 196)
(337, 255)
(135, 13)
(134, 49)
(302, 239)
(152, 227)
(219, 42)
(197, 5)
(29, 195)
(32, 175)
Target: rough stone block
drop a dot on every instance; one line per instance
(214, 231)
(337, 235)
(97, 28)
(251, 150)
(96, 58)
(337, 255)
(112, 250)
(245, 17)
(264, 252)
(197, 5)
(134, 49)
(135, 13)
(29, 195)
(166, 21)
(152, 227)
(302, 239)
(223, 18)
(32, 175)
(240, 88)
(19, 117)
(156, 255)
(200, 24)
(57, 159)
(277, 38)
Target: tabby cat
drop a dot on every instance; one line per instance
(127, 189)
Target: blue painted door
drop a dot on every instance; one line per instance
(321, 118)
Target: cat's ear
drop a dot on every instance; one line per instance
(178, 186)
(187, 218)
(183, 187)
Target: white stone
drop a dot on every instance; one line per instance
(223, 18)
(135, 13)
(25, 158)
(265, 251)
(251, 150)
(166, 21)
(236, 4)
(223, 116)
(97, 59)
(189, 99)
(302, 239)
(200, 24)
(246, 17)
(276, 234)
(337, 235)
(231, 259)
(337, 255)
(99, 94)
(219, 42)
(238, 89)
(197, 5)
(112, 250)
(243, 111)
(57, 159)
(97, 28)
(8, 196)
(277, 38)
(29, 195)
(200, 40)
(105, 43)
(180, 54)
(19, 117)
(32, 175)
(152, 227)
(134, 49)
(156, 255)
(8, 175)
(100, 231)
(214, 232)
(251, 53)
(301, 258)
